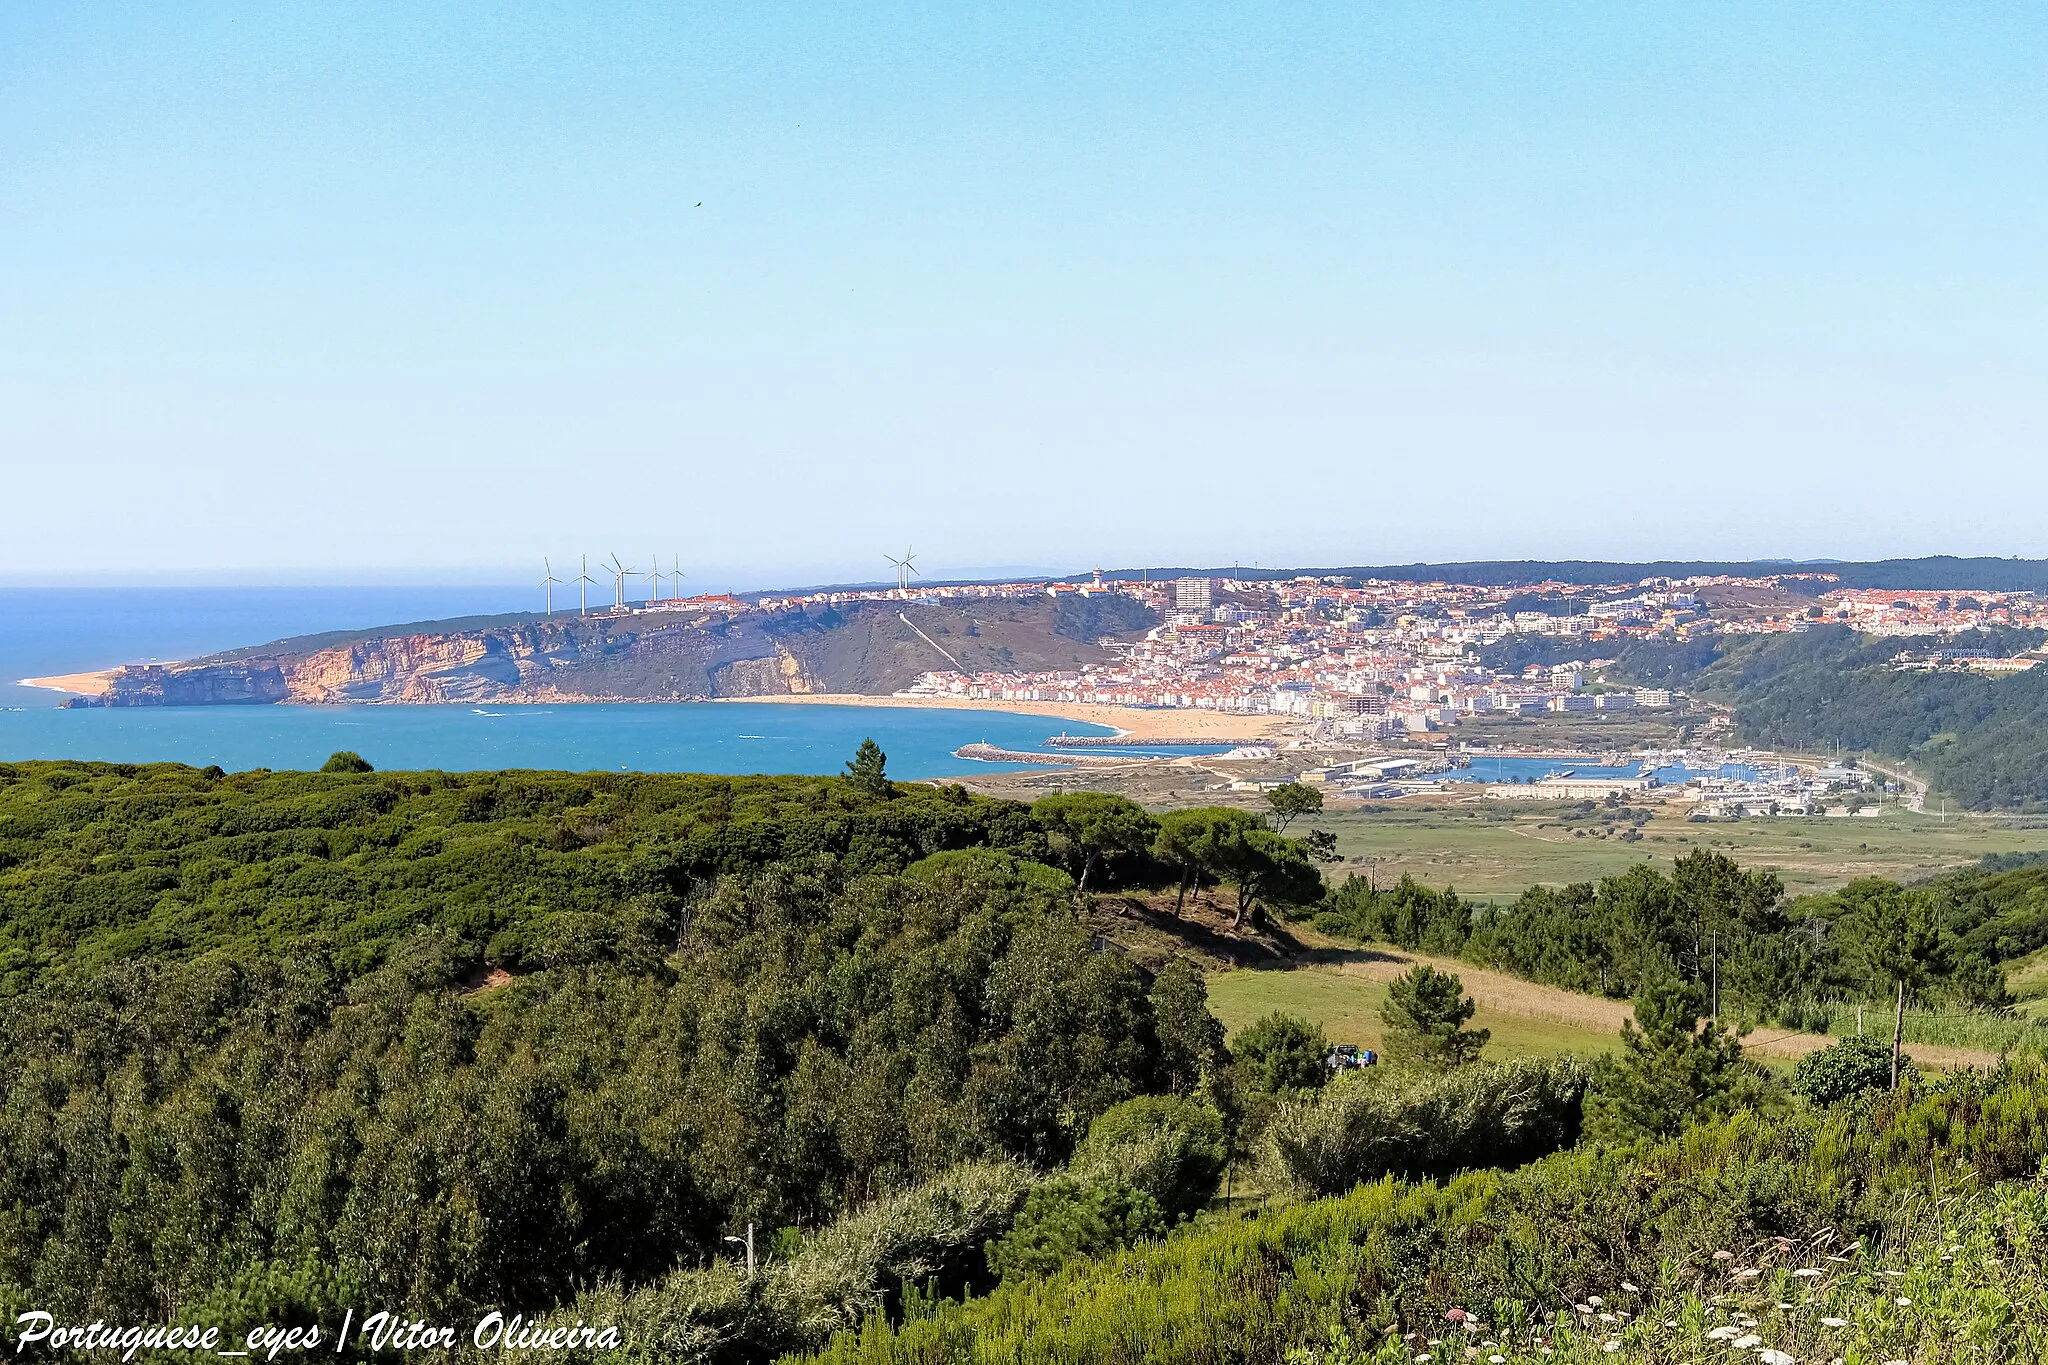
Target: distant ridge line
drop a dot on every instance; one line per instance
(1929, 573)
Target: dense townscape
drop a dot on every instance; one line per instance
(1381, 658)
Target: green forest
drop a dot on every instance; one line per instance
(1730, 931)
(1981, 739)
(753, 1068)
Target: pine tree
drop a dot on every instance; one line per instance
(1425, 1016)
(1671, 1071)
(1290, 802)
(866, 770)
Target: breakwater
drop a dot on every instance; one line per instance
(1128, 742)
(989, 753)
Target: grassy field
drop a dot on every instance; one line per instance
(1498, 848)
(1341, 988)
(2027, 979)
(1347, 1006)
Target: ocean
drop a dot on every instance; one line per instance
(55, 631)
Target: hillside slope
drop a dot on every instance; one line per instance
(869, 648)
(1978, 737)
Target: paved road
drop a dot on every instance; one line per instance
(1914, 796)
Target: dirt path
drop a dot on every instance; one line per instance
(1512, 995)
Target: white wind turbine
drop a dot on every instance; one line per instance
(654, 577)
(547, 583)
(619, 573)
(905, 567)
(677, 579)
(583, 582)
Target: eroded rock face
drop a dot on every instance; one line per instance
(472, 666)
(645, 656)
(537, 661)
(161, 685)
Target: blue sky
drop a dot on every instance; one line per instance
(335, 291)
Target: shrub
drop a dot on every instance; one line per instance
(1068, 1218)
(346, 761)
(844, 1273)
(1170, 1148)
(1283, 1052)
(1512, 1251)
(1849, 1067)
(997, 878)
(1372, 1124)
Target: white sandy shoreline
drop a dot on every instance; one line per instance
(1129, 722)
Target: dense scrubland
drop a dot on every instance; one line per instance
(279, 1044)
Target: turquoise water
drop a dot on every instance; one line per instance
(1517, 769)
(721, 737)
(46, 631)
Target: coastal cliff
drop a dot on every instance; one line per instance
(868, 648)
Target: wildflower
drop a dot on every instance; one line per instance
(1456, 1314)
(1582, 1307)
(1593, 1299)
(1903, 1302)
(1724, 1333)
(1747, 1343)
(1771, 1357)
(1747, 1274)
(1671, 1322)
(1612, 1345)
(1630, 1288)
(1496, 1360)
(1607, 1317)
(1806, 1272)
(1834, 1322)
(1724, 1255)
(1422, 1359)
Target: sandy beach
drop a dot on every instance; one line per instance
(1138, 723)
(78, 684)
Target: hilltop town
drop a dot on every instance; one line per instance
(1378, 659)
